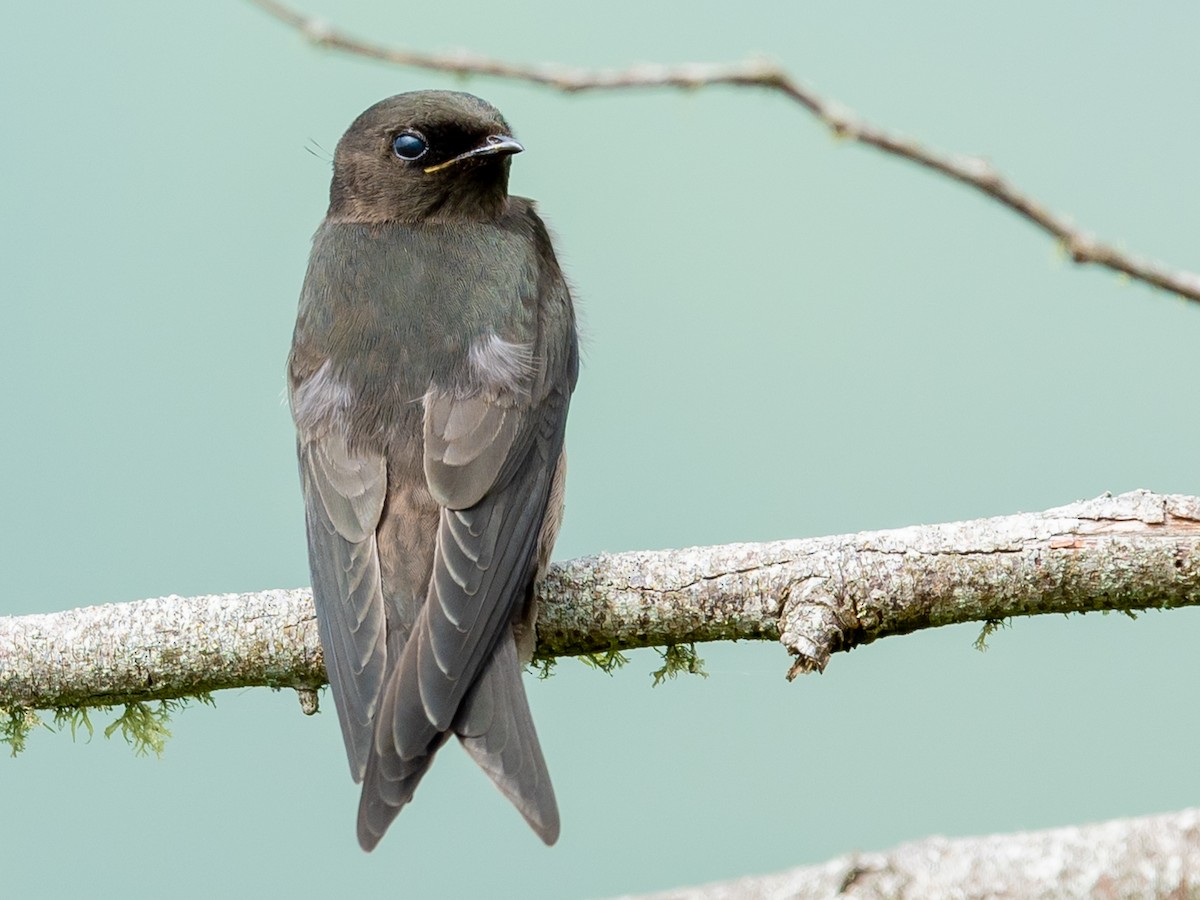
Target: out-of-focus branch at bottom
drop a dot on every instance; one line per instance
(1152, 858)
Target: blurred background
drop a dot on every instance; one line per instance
(787, 336)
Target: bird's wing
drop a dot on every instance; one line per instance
(468, 440)
(492, 447)
(344, 492)
(390, 780)
(459, 671)
(486, 545)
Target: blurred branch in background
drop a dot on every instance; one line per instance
(1150, 857)
(817, 596)
(1079, 245)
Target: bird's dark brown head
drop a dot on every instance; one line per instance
(420, 157)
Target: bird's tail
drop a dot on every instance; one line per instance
(388, 784)
(496, 727)
(394, 768)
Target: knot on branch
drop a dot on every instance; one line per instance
(815, 623)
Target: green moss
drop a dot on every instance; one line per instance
(15, 725)
(990, 627)
(678, 659)
(73, 718)
(607, 661)
(142, 724)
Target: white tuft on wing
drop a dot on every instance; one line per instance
(320, 402)
(504, 366)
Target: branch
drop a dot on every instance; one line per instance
(817, 596)
(1081, 246)
(1151, 857)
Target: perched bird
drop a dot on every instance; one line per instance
(433, 361)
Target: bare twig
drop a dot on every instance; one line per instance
(818, 596)
(1150, 857)
(1080, 246)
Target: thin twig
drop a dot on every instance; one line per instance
(1079, 245)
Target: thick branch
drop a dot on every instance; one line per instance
(1151, 857)
(975, 172)
(818, 596)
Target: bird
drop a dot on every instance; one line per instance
(431, 370)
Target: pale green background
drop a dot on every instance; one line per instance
(786, 336)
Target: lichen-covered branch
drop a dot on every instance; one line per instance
(818, 596)
(977, 173)
(1135, 551)
(1150, 857)
(159, 649)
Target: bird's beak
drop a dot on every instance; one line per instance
(493, 145)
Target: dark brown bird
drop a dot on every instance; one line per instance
(432, 365)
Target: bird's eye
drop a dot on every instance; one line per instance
(409, 145)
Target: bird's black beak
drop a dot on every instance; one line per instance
(493, 145)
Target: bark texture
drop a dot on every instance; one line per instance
(817, 596)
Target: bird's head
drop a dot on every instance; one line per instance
(423, 156)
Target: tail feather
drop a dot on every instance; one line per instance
(496, 728)
(388, 785)
(493, 723)
(393, 771)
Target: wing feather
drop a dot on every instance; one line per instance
(467, 442)
(344, 494)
